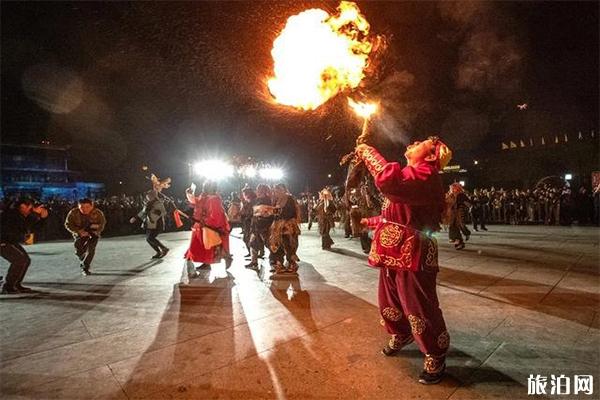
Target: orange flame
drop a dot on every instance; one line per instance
(364, 110)
(318, 55)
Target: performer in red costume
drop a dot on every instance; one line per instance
(208, 215)
(405, 251)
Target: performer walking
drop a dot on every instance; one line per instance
(153, 220)
(406, 253)
(310, 205)
(17, 222)
(372, 207)
(283, 240)
(234, 210)
(248, 201)
(210, 231)
(457, 203)
(325, 216)
(86, 223)
(479, 202)
(262, 218)
(355, 211)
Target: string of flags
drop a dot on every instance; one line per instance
(557, 139)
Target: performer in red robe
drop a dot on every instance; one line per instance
(406, 252)
(208, 213)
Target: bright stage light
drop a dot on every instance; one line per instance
(249, 171)
(462, 183)
(568, 177)
(215, 170)
(271, 174)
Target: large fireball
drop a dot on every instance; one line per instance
(318, 55)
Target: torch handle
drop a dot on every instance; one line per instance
(364, 133)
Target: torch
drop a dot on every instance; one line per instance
(363, 110)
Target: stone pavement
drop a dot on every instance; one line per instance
(517, 301)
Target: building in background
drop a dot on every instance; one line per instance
(42, 171)
(522, 162)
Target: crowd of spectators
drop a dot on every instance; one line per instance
(117, 209)
(542, 205)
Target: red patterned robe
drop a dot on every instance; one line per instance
(208, 211)
(406, 253)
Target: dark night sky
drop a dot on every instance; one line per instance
(163, 83)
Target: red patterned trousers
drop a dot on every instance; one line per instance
(410, 310)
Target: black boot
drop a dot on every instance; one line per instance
(9, 290)
(394, 346)
(164, 251)
(252, 265)
(23, 289)
(429, 378)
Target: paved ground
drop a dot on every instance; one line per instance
(517, 301)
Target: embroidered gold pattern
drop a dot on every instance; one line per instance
(388, 238)
(386, 204)
(373, 256)
(417, 325)
(433, 364)
(372, 161)
(390, 235)
(390, 262)
(391, 314)
(431, 259)
(406, 252)
(443, 341)
(396, 342)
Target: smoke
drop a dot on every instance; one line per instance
(96, 143)
(490, 63)
(490, 56)
(399, 106)
(466, 13)
(489, 69)
(54, 88)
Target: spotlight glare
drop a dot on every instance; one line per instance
(271, 174)
(215, 170)
(250, 171)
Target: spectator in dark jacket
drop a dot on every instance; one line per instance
(16, 223)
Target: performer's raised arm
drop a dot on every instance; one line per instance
(406, 185)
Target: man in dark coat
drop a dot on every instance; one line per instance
(17, 222)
